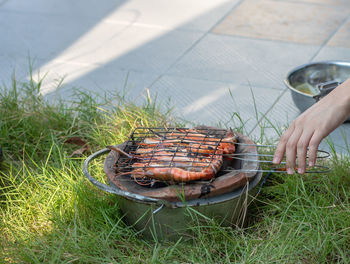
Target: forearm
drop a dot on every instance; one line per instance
(341, 96)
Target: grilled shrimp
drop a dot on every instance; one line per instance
(181, 156)
(195, 142)
(163, 171)
(179, 168)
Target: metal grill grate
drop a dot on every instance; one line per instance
(158, 151)
(172, 147)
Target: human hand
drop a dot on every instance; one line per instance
(308, 130)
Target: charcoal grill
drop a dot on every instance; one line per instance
(233, 174)
(160, 208)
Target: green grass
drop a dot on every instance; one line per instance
(50, 213)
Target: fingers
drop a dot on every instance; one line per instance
(281, 146)
(313, 147)
(302, 146)
(291, 150)
(294, 143)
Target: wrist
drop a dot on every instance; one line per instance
(341, 95)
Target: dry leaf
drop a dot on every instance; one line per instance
(76, 141)
(79, 142)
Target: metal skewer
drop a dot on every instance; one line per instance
(318, 169)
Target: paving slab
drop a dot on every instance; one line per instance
(62, 8)
(333, 53)
(260, 63)
(137, 47)
(12, 66)
(134, 47)
(87, 62)
(338, 46)
(298, 22)
(95, 41)
(105, 80)
(338, 140)
(80, 53)
(342, 37)
(40, 36)
(181, 14)
(322, 2)
(212, 102)
(196, 15)
(277, 119)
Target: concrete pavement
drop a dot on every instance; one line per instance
(213, 60)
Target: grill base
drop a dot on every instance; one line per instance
(229, 209)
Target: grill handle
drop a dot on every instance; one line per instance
(104, 187)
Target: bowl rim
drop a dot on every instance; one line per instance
(327, 62)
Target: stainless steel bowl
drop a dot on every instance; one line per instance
(303, 81)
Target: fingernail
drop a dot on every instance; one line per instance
(311, 163)
(300, 171)
(289, 171)
(275, 160)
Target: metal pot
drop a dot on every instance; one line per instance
(309, 82)
(160, 219)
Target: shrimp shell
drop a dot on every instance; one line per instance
(155, 170)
